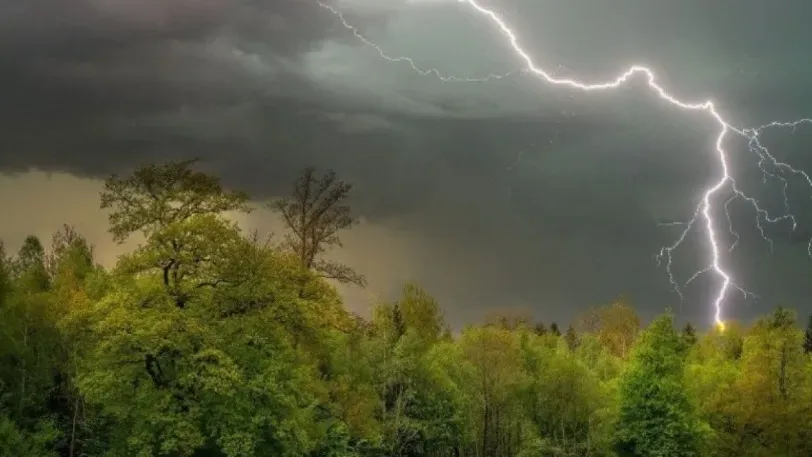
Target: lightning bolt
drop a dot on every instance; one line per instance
(703, 213)
(401, 59)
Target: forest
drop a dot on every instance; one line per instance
(207, 341)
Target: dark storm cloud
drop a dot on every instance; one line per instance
(518, 193)
(81, 77)
(54, 27)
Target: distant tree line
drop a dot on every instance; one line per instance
(205, 341)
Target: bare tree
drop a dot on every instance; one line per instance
(315, 213)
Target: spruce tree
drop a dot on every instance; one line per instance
(656, 416)
(571, 338)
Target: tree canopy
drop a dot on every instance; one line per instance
(205, 341)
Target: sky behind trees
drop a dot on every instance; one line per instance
(507, 194)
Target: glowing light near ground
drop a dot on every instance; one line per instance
(704, 212)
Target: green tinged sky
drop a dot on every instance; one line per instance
(506, 194)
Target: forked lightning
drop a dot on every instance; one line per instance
(705, 209)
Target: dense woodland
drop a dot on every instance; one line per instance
(207, 341)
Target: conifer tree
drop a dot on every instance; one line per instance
(656, 416)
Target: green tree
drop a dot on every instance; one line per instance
(567, 404)
(179, 211)
(616, 325)
(768, 407)
(414, 411)
(29, 344)
(155, 197)
(72, 270)
(421, 312)
(571, 337)
(656, 415)
(5, 275)
(29, 266)
(71, 258)
(198, 345)
(27, 443)
(495, 355)
(688, 336)
(808, 337)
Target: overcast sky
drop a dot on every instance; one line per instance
(506, 194)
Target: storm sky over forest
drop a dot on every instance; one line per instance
(506, 194)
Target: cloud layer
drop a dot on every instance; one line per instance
(509, 193)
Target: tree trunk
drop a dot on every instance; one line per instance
(563, 434)
(782, 376)
(485, 431)
(73, 428)
(497, 451)
(23, 368)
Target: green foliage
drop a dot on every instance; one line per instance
(29, 267)
(5, 272)
(766, 408)
(688, 336)
(656, 417)
(38, 442)
(572, 339)
(157, 196)
(564, 398)
(205, 341)
(616, 325)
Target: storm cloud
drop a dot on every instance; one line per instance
(507, 193)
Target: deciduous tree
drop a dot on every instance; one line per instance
(180, 212)
(616, 325)
(314, 214)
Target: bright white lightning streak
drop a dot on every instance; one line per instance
(765, 155)
(409, 60)
(705, 207)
